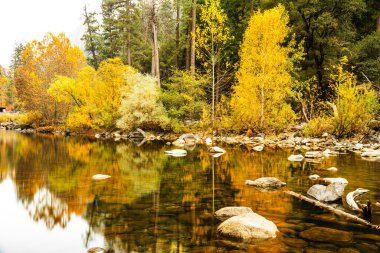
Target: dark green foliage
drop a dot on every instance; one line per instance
(184, 96)
(366, 58)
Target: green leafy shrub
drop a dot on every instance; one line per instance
(140, 105)
(184, 97)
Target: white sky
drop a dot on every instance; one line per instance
(26, 20)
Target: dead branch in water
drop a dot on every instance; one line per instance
(334, 210)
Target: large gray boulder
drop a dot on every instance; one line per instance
(266, 183)
(329, 193)
(230, 211)
(248, 227)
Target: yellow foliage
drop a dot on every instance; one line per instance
(94, 95)
(356, 105)
(42, 62)
(264, 81)
(318, 126)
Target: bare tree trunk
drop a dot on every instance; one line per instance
(378, 24)
(129, 60)
(334, 210)
(213, 62)
(155, 53)
(193, 29)
(177, 34)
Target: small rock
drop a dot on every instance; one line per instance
(266, 182)
(322, 234)
(100, 177)
(248, 227)
(370, 237)
(258, 148)
(331, 180)
(208, 141)
(348, 250)
(97, 136)
(216, 150)
(296, 158)
(295, 242)
(373, 153)
(313, 154)
(176, 152)
(358, 146)
(314, 177)
(230, 211)
(325, 135)
(332, 169)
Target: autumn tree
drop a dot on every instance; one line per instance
(95, 96)
(264, 81)
(42, 61)
(213, 36)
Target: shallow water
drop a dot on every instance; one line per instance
(157, 203)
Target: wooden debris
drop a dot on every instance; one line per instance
(334, 210)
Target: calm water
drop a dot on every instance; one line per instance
(156, 203)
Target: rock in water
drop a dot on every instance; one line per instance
(331, 180)
(350, 198)
(296, 158)
(266, 183)
(313, 154)
(177, 152)
(332, 169)
(248, 227)
(216, 150)
(258, 148)
(322, 234)
(373, 153)
(208, 141)
(230, 211)
(329, 193)
(100, 177)
(314, 177)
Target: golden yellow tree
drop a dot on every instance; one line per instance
(95, 96)
(264, 80)
(42, 61)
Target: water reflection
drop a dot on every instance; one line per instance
(153, 202)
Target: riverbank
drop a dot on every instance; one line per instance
(324, 145)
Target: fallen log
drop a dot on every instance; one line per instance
(334, 210)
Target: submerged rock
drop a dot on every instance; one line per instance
(177, 152)
(332, 169)
(373, 153)
(216, 150)
(296, 158)
(266, 183)
(248, 227)
(314, 177)
(100, 177)
(331, 180)
(313, 154)
(329, 193)
(230, 211)
(258, 148)
(322, 234)
(208, 141)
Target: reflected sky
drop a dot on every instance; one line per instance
(20, 234)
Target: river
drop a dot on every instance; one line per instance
(157, 203)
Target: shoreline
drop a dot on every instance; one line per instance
(326, 144)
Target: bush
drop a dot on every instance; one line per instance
(184, 98)
(318, 126)
(354, 106)
(140, 105)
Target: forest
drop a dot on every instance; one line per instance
(231, 66)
